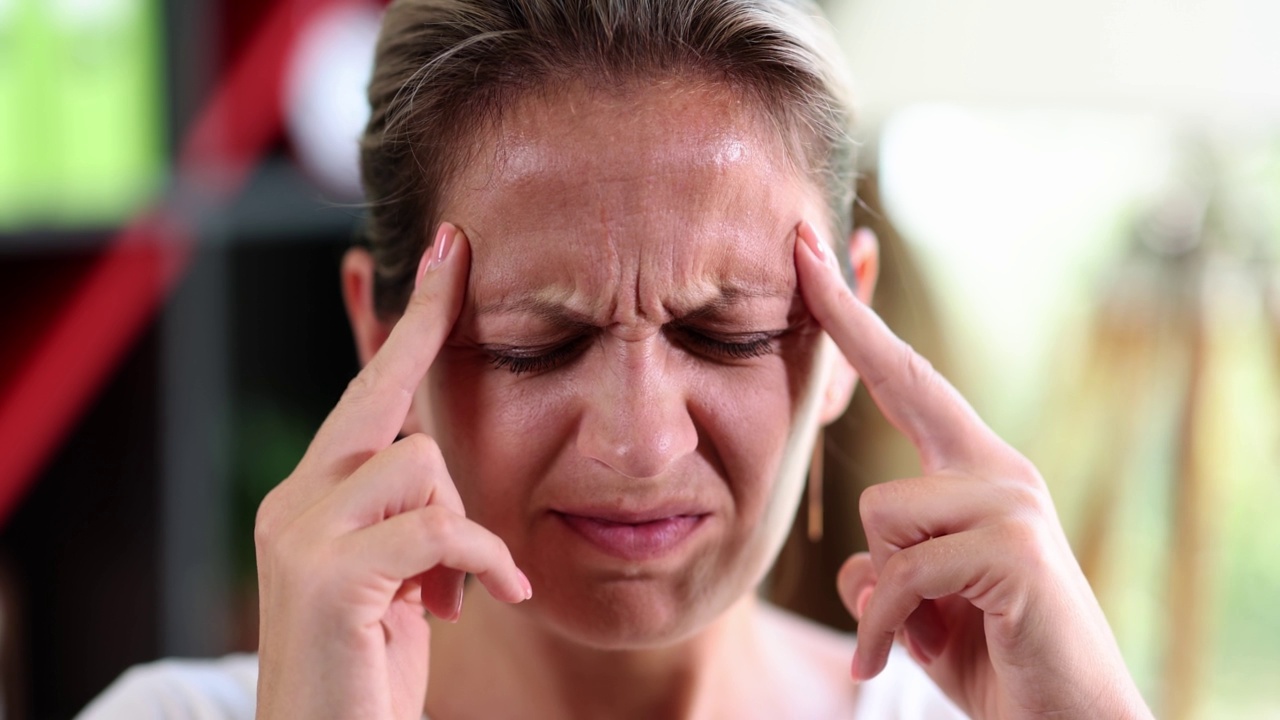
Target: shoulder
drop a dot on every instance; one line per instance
(816, 665)
(221, 689)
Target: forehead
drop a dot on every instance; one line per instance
(667, 187)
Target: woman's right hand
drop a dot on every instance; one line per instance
(368, 534)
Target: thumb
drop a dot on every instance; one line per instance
(855, 582)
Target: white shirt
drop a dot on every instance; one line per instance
(225, 689)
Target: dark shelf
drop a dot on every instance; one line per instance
(279, 203)
(40, 240)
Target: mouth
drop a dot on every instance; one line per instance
(634, 536)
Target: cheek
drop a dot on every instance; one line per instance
(743, 420)
(753, 422)
(502, 436)
(495, 435)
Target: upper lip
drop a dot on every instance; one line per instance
(633, 516)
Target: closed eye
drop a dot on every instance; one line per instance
(730, 347)
(519, 360)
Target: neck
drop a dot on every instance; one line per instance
(496, 653)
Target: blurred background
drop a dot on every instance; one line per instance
(1080, 204)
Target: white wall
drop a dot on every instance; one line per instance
(1218, 57)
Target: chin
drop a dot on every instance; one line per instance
(628, 614)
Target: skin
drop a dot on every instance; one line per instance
(645, 243)
(660, 221)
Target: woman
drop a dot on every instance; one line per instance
(610, 253)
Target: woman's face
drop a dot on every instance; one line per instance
(629, 396)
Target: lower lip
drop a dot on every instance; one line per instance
(635, 541)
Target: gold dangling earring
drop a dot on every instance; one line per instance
(815, 488)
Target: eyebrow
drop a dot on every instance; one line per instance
(558, 313)
(550, 310)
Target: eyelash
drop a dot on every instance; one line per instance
(757, 346)
(539, 360)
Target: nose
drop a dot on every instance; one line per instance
(636, 419)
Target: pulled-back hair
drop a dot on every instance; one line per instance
(446, 70)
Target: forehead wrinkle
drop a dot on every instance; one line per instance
(554, 306)
(583, 225)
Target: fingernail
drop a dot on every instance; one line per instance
(864, 597)
(524, 582)
(457, 607)
(435, 255)
(816, 246)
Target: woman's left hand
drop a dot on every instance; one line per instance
(968, 563)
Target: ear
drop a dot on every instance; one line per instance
(864, 259)
(369, 330)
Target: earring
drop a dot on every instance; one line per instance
(815, 488)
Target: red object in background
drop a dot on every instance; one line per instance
(54, 381)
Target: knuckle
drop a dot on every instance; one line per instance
(276, 525)
(856, 565)
(1023, 471)
(855, 572)
(902, 569)
(372, 383)
(263, 530)
(916, 368)
(436, 527)
(1029, 500)
(873, 505)
(362, 385)
(269, 517)
(292, 551)
(1024, 543)
(423, 449)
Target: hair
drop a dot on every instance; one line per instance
(445, 71)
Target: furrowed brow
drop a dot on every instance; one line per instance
(549, 310)
(556, 312)
(732, 295)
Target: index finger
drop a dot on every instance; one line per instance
(915, 399)
(373, 409)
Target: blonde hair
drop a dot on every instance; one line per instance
(446, 70)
